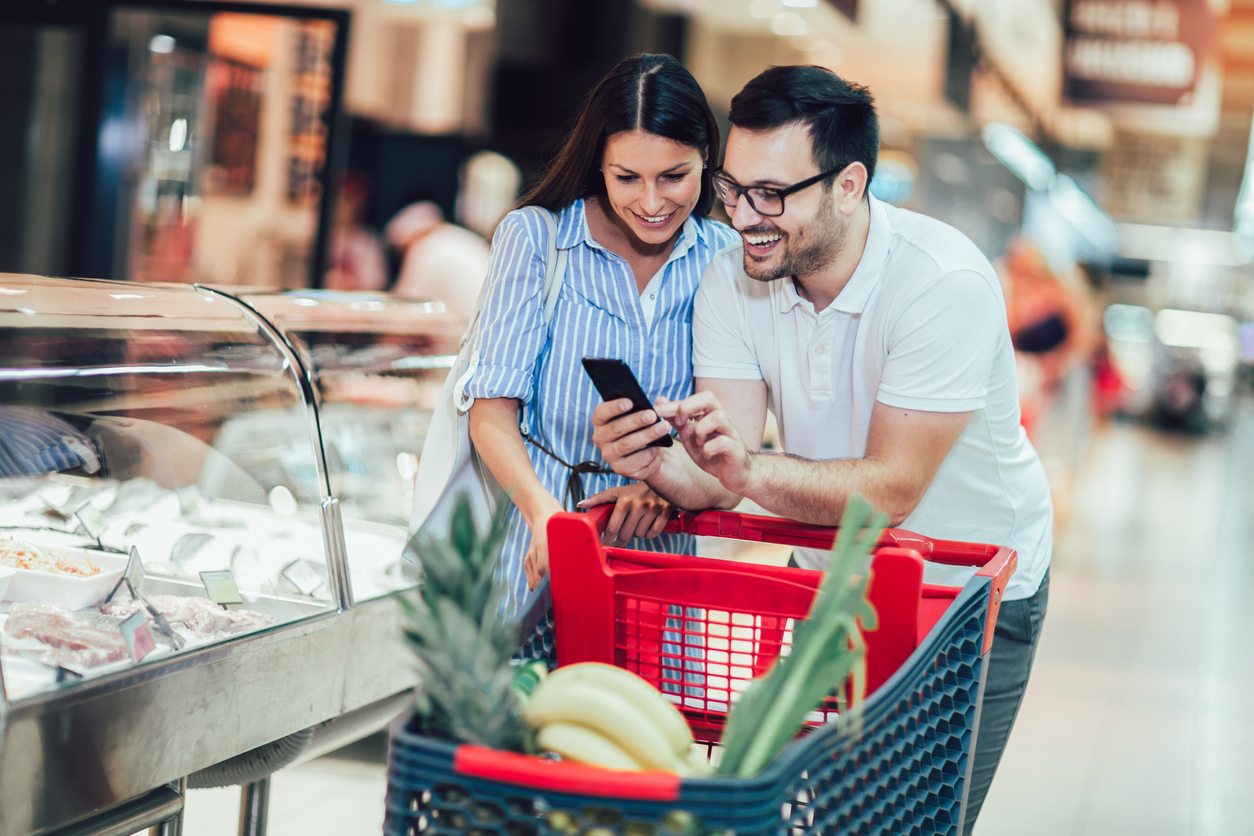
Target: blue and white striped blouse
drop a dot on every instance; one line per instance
(598, 314)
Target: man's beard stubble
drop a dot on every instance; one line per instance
(816, 246)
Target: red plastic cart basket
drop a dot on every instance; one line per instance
(699, 629)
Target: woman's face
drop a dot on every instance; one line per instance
(652, 183)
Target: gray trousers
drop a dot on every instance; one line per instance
(1009, 663)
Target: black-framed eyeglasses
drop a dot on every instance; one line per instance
(767, 202)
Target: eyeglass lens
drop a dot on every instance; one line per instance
(763, 201)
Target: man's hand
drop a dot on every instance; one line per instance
(623, 439)
(711, 439)
(638, 512)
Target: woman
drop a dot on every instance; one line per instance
(630, 192)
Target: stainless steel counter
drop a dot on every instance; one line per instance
(93, 745)
(98, 755)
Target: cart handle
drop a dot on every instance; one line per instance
(997, 563)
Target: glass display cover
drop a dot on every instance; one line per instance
(152, 425)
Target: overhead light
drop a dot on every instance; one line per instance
(1018, 153)
(764, 9)
(178, 134)
(1243, 215)
(826, 54)
(161, 43)
(1129, 323)
(1194, 329)
(1085, 215)
(790, 24)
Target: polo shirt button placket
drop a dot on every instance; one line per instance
(821, 362)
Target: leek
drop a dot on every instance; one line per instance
(826, 650)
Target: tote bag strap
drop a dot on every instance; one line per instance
(554, 272)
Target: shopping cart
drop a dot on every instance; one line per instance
(699, 630)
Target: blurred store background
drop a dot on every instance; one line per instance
(1098, 151)
(1095, 149)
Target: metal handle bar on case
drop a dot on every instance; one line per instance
(997, 563)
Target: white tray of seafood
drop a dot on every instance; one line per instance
(66, 577)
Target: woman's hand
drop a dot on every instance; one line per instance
(638, 512)
(536, 563)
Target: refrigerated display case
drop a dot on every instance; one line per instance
(377, 365)
(160, 447)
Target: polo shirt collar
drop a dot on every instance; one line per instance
(853, 298)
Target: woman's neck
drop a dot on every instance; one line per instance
(612, 232)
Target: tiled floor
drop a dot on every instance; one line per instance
(1140, 715)
(326, 797)
(1139, 718)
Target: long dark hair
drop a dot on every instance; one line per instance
(652, 92)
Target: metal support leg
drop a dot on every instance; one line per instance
(254, 808)
(172, 826)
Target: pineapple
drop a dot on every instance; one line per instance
(462, 644)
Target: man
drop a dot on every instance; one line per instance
(878, 338)
(441, 260)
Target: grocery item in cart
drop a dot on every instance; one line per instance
(59, 637)
(605, 716)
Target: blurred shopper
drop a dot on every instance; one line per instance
(356, 259)
(630, 192)
(440, 260)
(1049, 325)
(489, 184)
(878, 338)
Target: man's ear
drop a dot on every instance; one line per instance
(850, 187)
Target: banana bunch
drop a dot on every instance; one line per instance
(606, 716)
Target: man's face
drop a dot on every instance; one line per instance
(810, 233)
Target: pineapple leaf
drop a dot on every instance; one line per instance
(461, 644)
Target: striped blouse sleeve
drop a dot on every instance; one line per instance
(511, 325)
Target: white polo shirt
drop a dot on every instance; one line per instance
(920, 325)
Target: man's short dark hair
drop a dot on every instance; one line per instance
(840, 114)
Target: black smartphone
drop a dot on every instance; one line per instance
(614, 379)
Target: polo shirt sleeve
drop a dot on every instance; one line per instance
(511, 330)
(720, 345)
(942, 344)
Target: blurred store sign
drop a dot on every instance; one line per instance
(1135, 50)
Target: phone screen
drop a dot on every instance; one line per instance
(614, 379)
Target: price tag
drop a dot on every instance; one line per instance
(303, 576)
(135, 570)
(221, 588)
(69, 673)
(93, 521)
(138, 635)
(56, 497)
(189, 500)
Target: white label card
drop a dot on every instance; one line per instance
(138, 635)
(221, 587)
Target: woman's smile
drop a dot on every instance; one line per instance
(654, 221)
